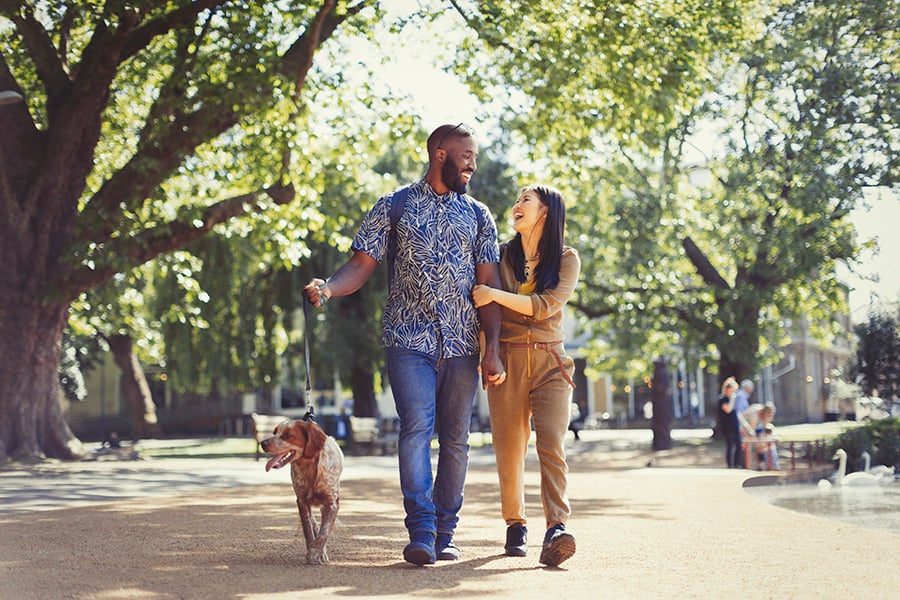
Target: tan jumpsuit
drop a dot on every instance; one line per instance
(538, 387)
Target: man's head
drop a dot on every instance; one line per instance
(747, 386)
(452, 156)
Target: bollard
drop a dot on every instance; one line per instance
(793, 458)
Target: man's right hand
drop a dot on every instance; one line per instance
(316, 292)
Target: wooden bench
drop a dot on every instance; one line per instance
(388, 436)
(263, 426)
(369, 433)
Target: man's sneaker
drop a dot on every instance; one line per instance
(559, 545)
(445, 548)
(516, 540)
(420, 549)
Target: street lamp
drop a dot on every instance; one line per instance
(10, 97)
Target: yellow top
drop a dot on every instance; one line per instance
(545, 325)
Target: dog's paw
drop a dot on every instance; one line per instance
(315, 557)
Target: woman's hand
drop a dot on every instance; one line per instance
(482, 294)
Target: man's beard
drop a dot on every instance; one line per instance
(452, 177)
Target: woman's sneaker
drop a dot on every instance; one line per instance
(559, 545)
(516, 540)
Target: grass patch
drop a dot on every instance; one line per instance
(226, 447)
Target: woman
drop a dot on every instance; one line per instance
(729, 425)
(756, 424)
(538, 274)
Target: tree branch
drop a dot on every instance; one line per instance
(19, 132)
(704, 268)
(151, 165)
(157, 156)
(474, 24)
(690, 318)
(176, 234)
(297, 61)
(590, 311)
(49, 67)
(141, 36)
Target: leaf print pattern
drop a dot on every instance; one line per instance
(429, 307)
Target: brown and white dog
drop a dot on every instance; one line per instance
(316, 463)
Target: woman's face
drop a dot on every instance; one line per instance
(529, 213)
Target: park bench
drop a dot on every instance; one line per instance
(377, 436)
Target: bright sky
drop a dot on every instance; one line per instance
(438, 97)
(880, 222)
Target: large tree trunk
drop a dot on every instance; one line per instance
(135, 388)
(363, 388)
(54, 242)
(356, 311)
(662, 407)
(739, 345)
(32, 426)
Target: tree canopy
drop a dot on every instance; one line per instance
(877, 362)
(145, 125)
(713, 153)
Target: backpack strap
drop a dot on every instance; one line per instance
(398, 204)
(478, 214)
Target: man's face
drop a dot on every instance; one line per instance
(459, 164)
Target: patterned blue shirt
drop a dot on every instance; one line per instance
(429, 307)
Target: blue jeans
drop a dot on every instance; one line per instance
(432, 396)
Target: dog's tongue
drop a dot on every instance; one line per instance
(279, 460)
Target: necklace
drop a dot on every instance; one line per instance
(529, 261)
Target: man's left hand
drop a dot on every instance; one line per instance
(492, 371)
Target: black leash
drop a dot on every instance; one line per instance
(310, 411)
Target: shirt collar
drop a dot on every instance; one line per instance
(430, 190)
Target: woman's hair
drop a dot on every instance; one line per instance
(546, 275)
(730, 383)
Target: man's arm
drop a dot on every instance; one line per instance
(347, 279)
(492, 372)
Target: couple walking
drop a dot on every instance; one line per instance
(450, 282)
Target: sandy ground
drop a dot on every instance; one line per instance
(217, 528)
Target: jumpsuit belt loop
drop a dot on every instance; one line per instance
(549, 347)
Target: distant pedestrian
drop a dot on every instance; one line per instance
(575, 420)
(741, 404)
(756, 425)
(729, 426)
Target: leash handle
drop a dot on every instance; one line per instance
(310, 411)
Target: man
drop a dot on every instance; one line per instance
(741, 404)
(445, 243)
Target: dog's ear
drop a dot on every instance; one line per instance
(315, 441)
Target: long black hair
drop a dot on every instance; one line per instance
(546, 275)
